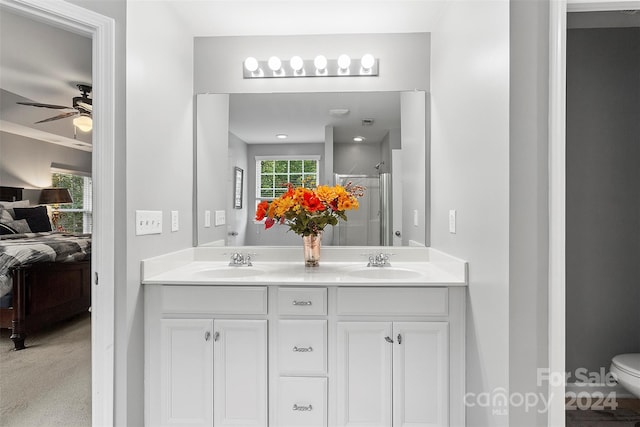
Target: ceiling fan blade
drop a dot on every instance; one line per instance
(36, 104)
(60, 116)
(85, 106)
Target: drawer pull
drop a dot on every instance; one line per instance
(302, 407)
(295, 302)
(303, 349)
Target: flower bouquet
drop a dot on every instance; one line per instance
(307, 211)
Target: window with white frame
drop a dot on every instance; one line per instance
(76, 217)
(274, 173)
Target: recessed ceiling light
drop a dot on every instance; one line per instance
(338, 112)
(282, 136)
(358, 138)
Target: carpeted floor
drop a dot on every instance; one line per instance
(48, 384)
(627, 414)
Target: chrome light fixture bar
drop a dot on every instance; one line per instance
(320, 66)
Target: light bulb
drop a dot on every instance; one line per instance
(84, 123)
(274, 63)
(344, 62)
(320, 62)
(251, 64)
(358, 138)
(296, 63)
(367, 61)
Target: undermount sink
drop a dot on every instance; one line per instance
(228, 272)
(383, 273)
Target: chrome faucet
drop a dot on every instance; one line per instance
(238, 260)
(379, 260)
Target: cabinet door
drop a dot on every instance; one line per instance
(186, 383)
(420, 374)
(364, 374)
(240, 373)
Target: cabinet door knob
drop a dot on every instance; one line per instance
(399, 339)
(389, 340)
(216, 336)
(207, 335)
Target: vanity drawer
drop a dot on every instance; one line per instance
(302, 402)
(393, 301)
(214, 299)
(302, 347)
(302, 301)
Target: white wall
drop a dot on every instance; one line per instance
(213, 188)
(528, 193)
(159, 164)
(26, 162)
(352, 158)
(239, 218)
(470, 173)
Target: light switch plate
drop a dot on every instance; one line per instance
(175, 222)
(148, 222)
(416, 220)
(220, 218)
(207, 219)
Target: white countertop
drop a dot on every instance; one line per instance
(338, 266)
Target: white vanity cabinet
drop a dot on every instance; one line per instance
(392, 374)
(304, 355)
(206, 356)
(392, 363)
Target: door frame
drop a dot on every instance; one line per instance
(557, 190)
(101, 30)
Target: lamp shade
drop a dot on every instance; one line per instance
(55, 196)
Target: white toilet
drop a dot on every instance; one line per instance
(625, 368)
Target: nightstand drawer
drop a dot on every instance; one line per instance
(302, 301)
(302, 347)
(302, 402)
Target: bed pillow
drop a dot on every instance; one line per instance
(36, 217)
(18, 226)
(5, 216)
(18, 204)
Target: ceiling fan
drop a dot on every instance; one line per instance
(82, 109)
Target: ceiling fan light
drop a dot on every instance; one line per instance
(84, 123)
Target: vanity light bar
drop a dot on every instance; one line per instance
(320, 66)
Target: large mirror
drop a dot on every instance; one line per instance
(249, 145)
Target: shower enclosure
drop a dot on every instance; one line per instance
(370, 224)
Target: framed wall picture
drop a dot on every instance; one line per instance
(237, 187)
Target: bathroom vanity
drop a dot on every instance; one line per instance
(278, 344)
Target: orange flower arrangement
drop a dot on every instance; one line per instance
(307, 211)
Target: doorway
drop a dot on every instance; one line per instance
(557, 192)
(101, 29)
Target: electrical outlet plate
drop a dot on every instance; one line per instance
(148, 222)
(207, 218)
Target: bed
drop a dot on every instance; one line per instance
(44, 276)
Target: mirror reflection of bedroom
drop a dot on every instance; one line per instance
(45, 223)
